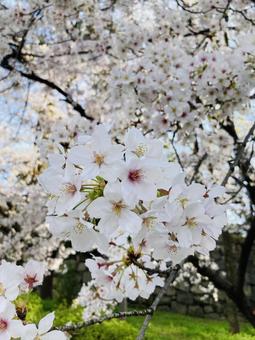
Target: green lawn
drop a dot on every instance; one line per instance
(164, 325)
(170, 326)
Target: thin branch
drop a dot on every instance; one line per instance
(74, 327)
(238, 155)
(234, 194)
(155, 303)
(243, 15)
(33, 76)
(24, 110)
(187, 9)
(197, 166)
(175, 151)
(151, 271)
(17, 55)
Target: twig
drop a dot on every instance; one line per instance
(80, 325)
(197, 166)
(155, 303)
(33, 76)
(151, 271)
(185, 8)
(238, 155)
(24, 110)
(234, 194)
(175, 151)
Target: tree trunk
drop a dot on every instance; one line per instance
(231, 311)
(46, 290)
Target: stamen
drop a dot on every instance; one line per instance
(117, 207)
(79, 228)
(2, 290)
(140, 150)
(98, 159)
(3, 325)
(191, 222)
(135, 176)
(173, 249)
(70, 188)
(30, 280)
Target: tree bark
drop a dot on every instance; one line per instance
(46, 290)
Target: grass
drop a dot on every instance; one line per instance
(170, 326)
(164, 325)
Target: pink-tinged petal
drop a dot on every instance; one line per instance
(79, 155)
(130, 222)
(185, 237)
(112, 192)
(107, 226)
(9, 311)
(147, 191)
(29, 332)
(12, 293)
(54, 335)
(46, 323)
(16, 328)
(60, 226)
(5, 335)
(83, 240)
(99, 208)
(194, 209)
(51, 181)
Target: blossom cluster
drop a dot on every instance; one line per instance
(15, 280)
(92, 298)
(131, 204)
(152, 58)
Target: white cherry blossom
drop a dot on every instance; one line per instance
(43, 332)
(9, 328)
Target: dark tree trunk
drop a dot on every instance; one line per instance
(46, 290)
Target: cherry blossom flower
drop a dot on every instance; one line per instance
(114, 211)
(9, 328)
(138, 180)
(65, 188)
(98, 156)
(10, 279)
(31, 332)
(75, 228)
(32, 275)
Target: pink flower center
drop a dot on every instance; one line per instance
(3, 324)
(30, 280)
(135, 176)
(70, 188)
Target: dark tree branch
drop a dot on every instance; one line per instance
(34, 77)
(244, 257)
(244, 167)
(197, 166)
(187, 8)
(17, 55)
(220, 282)
(120, 315)
(238, 155)
(250, 237)
(169, 280)
(151, 271)
(175, 150)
